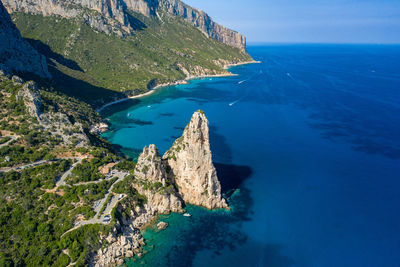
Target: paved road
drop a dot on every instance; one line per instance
(13, 137)
(114, 201)
(37, 163)
(68, 173)
(34, 164)
(61, 182)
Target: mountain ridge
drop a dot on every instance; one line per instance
(112, 16)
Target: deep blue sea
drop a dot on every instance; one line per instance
(310, 138)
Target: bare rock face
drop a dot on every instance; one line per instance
(151, 180)
(144, 7)
(16, 54)
(29, 94)
(191, 167)
(112, 15)
(150, 166)
(203, 22)
(120, 247)
(55, 122)
(162, 226)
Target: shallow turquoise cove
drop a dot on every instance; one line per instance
(311, 137)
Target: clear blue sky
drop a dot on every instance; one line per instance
(315, 21)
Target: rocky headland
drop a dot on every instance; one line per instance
(184, 175)
(191, 168)
(113, 16)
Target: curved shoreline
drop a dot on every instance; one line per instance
(185, 81)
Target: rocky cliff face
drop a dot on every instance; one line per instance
(29, 94)
(151, 180)
(112, 17)
(187, 166)
(191, 167)
(203, 22)
(109, 16)
(57, 123)
(16, 54)
(144, 7)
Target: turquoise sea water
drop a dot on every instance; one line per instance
(310, 137)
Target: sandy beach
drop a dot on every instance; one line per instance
(185, 81)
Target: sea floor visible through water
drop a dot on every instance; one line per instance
(308, 141)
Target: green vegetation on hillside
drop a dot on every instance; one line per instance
(34, 212)
(155, 54)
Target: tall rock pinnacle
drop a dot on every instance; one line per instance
(151, 180)
(191, 167)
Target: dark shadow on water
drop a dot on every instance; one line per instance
(361, 134)
(232, 176)
(124, 105)
(220, 148)
(272, 255)
(218, 233)
(140, 122)
(132, 153)
(212, 231)
(179, 128)
(125, 120)
(167, 114)
(200, 102)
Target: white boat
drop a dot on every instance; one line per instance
(187, 215)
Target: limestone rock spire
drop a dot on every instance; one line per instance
(191, 168)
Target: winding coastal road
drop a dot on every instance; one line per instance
(100, 203)
(41, 162)
(13, 138)
(34, 164)
(61, 182)
(98, 218)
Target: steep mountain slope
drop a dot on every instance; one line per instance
(113, 16)
(124, 46)
(15, 53)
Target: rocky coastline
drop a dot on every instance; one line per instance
(152, 89)
(184, 175)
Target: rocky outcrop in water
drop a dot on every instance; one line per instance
(120, 247)
(187, 166)
(151, 181)
(16, 54)
(191, 168)
(112, 16)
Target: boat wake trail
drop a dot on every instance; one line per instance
(233, 103)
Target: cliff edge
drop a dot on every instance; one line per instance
(112, 16)
(151, 181)
(185, 172)
(16, 54)
(191, 167)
